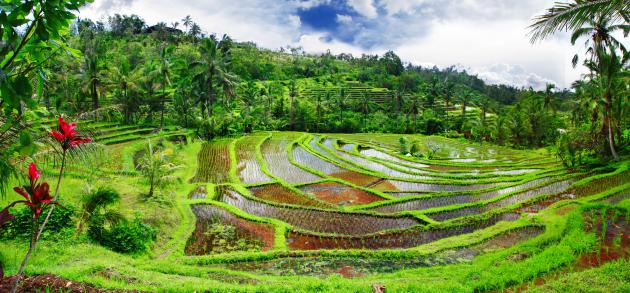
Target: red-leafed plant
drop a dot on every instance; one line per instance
(67, 136)
(37, 195)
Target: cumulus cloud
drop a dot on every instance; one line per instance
(112, 5)
(364, 7)
(344, 19)
(510, 74)
(400, 6)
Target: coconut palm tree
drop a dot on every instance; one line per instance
(213, 72)
(91, 74)
(158, 167)
(123, 82)
(574, 15)
(549, 95)
(448, 94)
(413, 108)
(165, 73)
(465, 98)
(597, 20)
(365, 106)
(293, 92)
(187, 22)
(148, 85)
(341, 100)
(484, 104)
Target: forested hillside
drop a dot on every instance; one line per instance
(148, 74)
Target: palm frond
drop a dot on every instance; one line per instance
(572, 16)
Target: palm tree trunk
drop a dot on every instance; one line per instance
(162, 109)
(210, 94)
(94, 96)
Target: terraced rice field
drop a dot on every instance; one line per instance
(319, 201)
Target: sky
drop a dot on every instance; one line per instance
(485, 37)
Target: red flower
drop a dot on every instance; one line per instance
(36, 194)
(67, 135)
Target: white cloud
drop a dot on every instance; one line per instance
(400, 6)
(306, 4)
(502, 42)
(344, 19)
(364, 7)
(270, 24)
(479, 34)
(317, 43)
(516, 75)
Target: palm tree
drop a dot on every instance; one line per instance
(365, 106)
(91, 74)
(268, 94)
(464, 98)
(148, 85)
(549, 95)
(320, 108)
(213, 72)
(399, 96)
(609, 69)
(249, 100)
(123, 81)
(187, 21)
(414, 109)
(342, 99)
(293, 92)
(182, 102)
(195, 31)
(603, 18)
(158, 167)
(484, 103)
(165, 72)
(573, 15)
(448, 94)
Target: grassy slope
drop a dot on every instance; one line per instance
(166, 267)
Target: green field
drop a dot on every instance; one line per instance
(289, 211)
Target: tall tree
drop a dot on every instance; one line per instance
(165, 73)
(123, 81)
(293, 92)
(342, 99)
(213, 72)
(595, 19)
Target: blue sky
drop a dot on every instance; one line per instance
(486, 37)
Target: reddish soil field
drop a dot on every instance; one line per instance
(47, 283)
(591, 188)
(201, 242)
(615, 244)
(403, 239)
(340, 194)
(280, 194)
(355, 178)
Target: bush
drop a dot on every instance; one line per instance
(124, 236)
(574, 147)
(20, 227)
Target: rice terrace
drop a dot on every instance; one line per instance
(142, 157)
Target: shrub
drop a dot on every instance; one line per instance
(21, 226)
(124, 236)
(574, 147)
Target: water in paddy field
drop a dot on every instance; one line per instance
(358, 267)
(303, 192)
